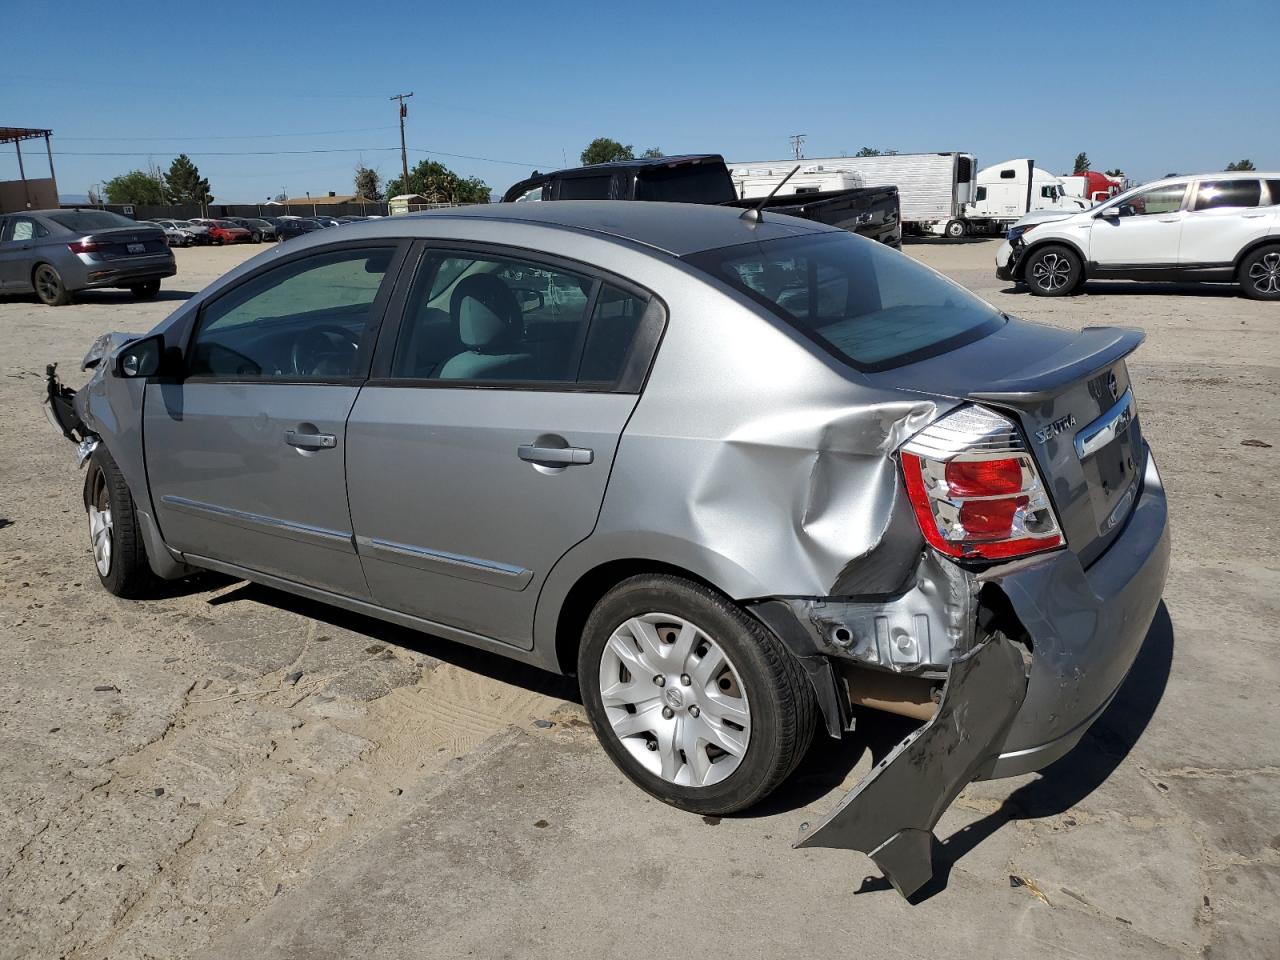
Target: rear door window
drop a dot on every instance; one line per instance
(867, 304)
(1228, 193)
(1274, 187)
(585, 188)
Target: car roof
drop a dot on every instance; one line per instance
(676, 228)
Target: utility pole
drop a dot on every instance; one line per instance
(404, 154)
(797, 145)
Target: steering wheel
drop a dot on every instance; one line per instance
(314, 343)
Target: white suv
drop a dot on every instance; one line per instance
(1213, 227)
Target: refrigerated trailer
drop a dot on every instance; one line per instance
(933, 188)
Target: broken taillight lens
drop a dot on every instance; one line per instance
(975, 488)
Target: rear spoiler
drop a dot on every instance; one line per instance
(1095, 349)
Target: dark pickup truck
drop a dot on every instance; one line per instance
(704, 178)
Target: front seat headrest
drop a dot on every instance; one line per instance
(487, 314)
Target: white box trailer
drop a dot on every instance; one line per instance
(933, 188)
(749, 182)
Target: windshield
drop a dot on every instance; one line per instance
(86, 220)
(867, 304)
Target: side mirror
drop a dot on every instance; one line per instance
(1110, 213)
(141, 358)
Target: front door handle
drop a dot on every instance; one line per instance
(555, 456)
(310, 441)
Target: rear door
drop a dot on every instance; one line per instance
(246, 455)
(1225, 216)
(479, 452)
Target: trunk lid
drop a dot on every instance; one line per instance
(1070, 393)
(126, 242)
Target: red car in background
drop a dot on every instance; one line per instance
(224, 231)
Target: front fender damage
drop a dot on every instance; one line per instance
(891, 814)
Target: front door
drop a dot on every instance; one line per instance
(17, 236)
(246, 455)
(482, 452)
(1145, 235)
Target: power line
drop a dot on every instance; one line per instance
(244, 136)
(289, 153)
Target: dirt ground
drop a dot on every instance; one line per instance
(170, 786)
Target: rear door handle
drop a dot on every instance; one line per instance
(555, 456)
(1170, 219)
(310, 441)
(1252, 216)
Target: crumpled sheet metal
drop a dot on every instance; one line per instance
(793, 499)
(925, 626)
(891, 814)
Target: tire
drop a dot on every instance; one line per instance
(256, 237)
(145, 291)
(49, 287)
(1053, 271)
(733, 682)
(956, 229)
(1259, 275)
(114, 537)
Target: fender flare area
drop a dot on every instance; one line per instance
(1020, 269)
(1270, 240)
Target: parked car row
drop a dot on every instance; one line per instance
(220, 230)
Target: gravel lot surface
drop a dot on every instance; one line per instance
(169, 787)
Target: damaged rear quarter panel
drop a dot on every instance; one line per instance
(787, 484)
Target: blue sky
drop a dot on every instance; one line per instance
(1149, 87)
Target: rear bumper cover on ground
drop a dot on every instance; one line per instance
(998, 718)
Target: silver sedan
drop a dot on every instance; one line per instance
(738, 474)
(57, 253)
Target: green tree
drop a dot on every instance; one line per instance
(438, 184)
(1241, 165)
(136, 186)
(868, 152)
(184, 183)
(653, 153)
(604, 150)
(1117, 172)
(368, 183)
(1082, 163)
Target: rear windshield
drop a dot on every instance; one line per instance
(867, 304)
(86, 220)
(687, 183)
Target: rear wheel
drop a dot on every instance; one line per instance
(49, 286)
(1053, 272)
(956, 229)
(145, 291)
(114, 536)
(694, 700)
(1259, 275)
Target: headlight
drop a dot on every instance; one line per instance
(1016, 233)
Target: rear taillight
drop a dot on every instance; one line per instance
(86, 246)
(975, 488)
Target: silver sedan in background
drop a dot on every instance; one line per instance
(57, 253)
(737, 473)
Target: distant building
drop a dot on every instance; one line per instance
(327, 200)
(25, 193)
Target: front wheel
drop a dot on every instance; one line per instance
(1260, 274)
(1053, 272)
(696, 701)
(956, 229)
(114, 536)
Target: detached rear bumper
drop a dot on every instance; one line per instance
(998, 717)
(1086, 628)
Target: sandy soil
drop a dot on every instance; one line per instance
(170, 785)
